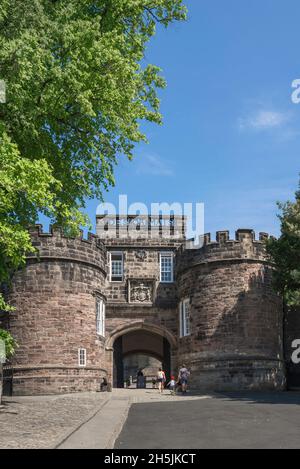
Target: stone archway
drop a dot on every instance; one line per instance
(128, 338)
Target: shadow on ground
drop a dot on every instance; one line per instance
(288, 397)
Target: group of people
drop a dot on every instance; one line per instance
(173, 385)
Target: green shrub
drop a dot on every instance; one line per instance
(10, 342)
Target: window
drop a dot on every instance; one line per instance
(81, 357)
(166, 267)
(184, 318)
(116, 266)
(100, 317)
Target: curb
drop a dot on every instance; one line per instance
(70, 432)
(118, 428)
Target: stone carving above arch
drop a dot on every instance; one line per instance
(141, 291)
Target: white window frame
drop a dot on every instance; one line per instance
(119, 253)
(82, 354)
(185, 317)
(170, 255)
(100, 317)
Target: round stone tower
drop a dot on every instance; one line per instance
(56, 298)
(235, 317)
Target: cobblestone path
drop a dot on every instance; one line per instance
(44, 421)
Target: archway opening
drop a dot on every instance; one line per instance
(143, 362)
(140, 350)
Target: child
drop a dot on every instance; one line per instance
(172, 385)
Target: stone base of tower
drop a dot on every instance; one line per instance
(56, 380)
(238, 375)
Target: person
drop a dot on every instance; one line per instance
(103, 385)
(161, 379)
(153, 383)
(172, 385)
(140, 382)
(183, 376)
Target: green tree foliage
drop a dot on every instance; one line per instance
(285, 253)
(77, 85)
(9, 341)
(78, 88)
(26, 187)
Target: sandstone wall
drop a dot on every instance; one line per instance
(142, 267)
(236, 318)
(55, 300)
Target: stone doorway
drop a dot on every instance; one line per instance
(137, 348)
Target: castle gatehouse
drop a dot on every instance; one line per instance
(140, 296)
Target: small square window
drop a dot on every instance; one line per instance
(81, 357)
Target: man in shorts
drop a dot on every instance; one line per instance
(183, 376)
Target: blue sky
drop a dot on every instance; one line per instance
(231, 134)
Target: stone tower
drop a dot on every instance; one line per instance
(55, 299)
(235, 339)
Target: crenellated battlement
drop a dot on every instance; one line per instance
(54, 244)
(243, 246)
(57, 232)
(221, 237)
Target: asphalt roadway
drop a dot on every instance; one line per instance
(230, 420)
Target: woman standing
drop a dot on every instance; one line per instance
(161, 379)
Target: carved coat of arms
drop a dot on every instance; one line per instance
(141, 293)
(141, 255)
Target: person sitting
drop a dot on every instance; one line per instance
(103, 385)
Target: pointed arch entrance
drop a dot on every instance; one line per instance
(138, 339)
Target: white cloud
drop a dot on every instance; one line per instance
(153, 164)
(264, 120)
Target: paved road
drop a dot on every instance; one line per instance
(233, 420)
(102, 429)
